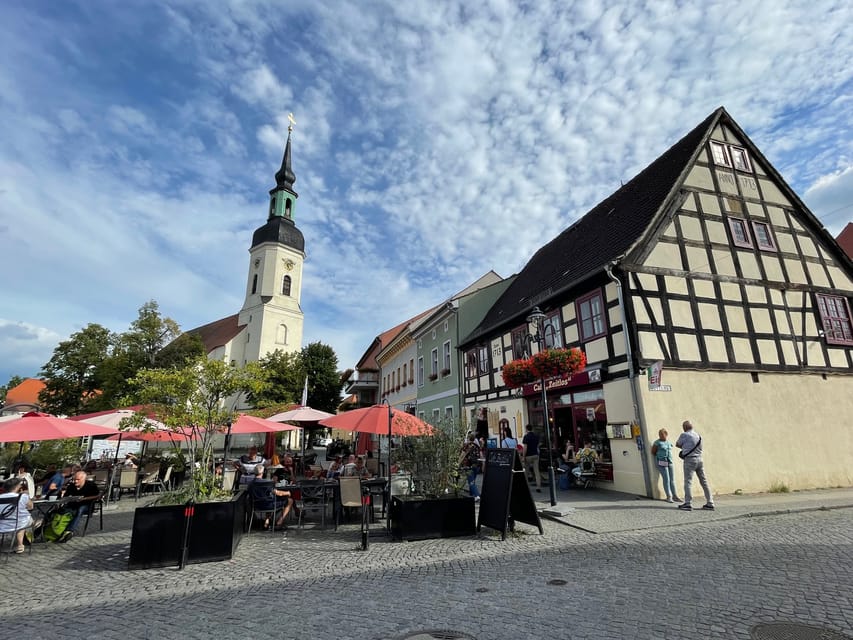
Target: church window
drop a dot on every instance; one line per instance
(287, 208)
(835, 317)
(285, 286)
(740, 233)
(281, 334)
(255, 283)
(272, 206)
(763, 237)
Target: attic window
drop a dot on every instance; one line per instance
(835, 317)
(740, 233)
(728, 155)
(763, 237)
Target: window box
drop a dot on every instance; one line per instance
(445, 373)
(433, 377)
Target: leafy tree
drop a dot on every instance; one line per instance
(184, 348)
(14, 381)
(193, 400)
(320, 364)
(149, 334)
(73, 374)
(282, 379)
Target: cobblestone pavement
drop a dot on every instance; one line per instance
(702, 579)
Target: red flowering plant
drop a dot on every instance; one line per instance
(517, 373)
(549, 363)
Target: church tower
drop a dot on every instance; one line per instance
(272, 314)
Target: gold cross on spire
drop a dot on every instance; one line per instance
(292, 121)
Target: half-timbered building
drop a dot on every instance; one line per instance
(703, 289)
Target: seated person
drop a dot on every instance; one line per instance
(346, 469)
(86, 492)
(358, 469)
(54, 479)
(13, 488)
(247, 463)
(283, 500)
(585, 457)
(129, 461)
(335, 468)
(289, 466)
(29, 485)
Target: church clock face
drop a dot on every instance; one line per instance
(257, 262)
(289, 264)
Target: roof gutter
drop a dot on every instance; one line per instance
(632, 381)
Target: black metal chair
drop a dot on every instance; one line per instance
(9, 513)
(263, 502)
(312, 499)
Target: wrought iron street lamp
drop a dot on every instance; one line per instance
(538, 317)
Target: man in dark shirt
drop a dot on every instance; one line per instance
(86, 492)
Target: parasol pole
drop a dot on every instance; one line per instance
(388, 471)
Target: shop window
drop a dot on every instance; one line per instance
(740, 233)
(763, 236)
(835, 318)
(590, 310)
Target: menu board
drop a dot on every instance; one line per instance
(506, 495)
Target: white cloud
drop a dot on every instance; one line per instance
(433, 142)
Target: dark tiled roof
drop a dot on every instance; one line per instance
(218, 333)
(604, 233)
(281, 231)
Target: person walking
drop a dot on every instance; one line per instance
(530, 443)
(508, 442)
(690, 444)
(470, 463)
(662, 451)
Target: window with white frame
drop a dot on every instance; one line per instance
(405, 377)
(471, 363)
(436, 416)
(411, 370)
(448, 413)
(446, 348)
(729, 155)
(421, 371)
(434, 370)
(590, 311)
(552, 329)
(422, 415)
(483, 359)
(520, 343)
(835, 318)
(720, 154)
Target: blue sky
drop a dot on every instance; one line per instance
(434, 142)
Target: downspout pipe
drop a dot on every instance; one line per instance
(632, 380)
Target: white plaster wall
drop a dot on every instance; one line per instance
(793, 429)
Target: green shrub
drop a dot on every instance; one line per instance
(779, 487)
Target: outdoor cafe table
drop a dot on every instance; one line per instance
(375, 486)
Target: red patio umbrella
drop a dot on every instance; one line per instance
(250, 424)
(380, 419)
(42, 426)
